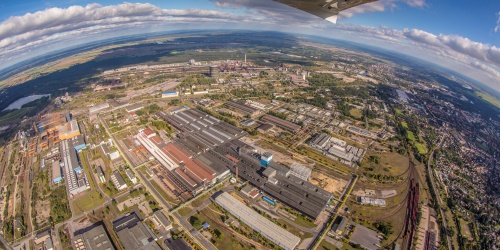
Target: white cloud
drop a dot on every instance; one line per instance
(415, 3)
(486, 68)
(378, 6)
(453, 43)
(21, 32)
(497, 28)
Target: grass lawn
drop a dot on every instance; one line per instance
(174, 202)
(399, 112)
(295, 231)
(404, 124)
(390, 164)
(325, 245)
(422, 149)
(465, 229)
(86, 168)
(489, 98)
(200, 200)
(410, 135)
(184, 211)
(301, 221)
(87, 201)
(356, 113)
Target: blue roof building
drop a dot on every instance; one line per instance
(173, 93)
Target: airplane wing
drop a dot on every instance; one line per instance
(326, 9)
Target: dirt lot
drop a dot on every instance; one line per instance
(330, 184)
(42, 208)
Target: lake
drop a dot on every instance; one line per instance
(21, 101)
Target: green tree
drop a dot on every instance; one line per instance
(195, 222)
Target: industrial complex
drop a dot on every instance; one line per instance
(337, 149)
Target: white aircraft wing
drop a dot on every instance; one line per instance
(326, 9)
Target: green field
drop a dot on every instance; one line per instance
(356, 113)
(489, 98)
(184, 211)
(88, 201)
(422, 149)
(410, 136)
(404, 124)
(301, 221)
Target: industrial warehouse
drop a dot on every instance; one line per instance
(242, 107)
(276, 179)
(284, 124)
(257, 222)
(207, 148)
(337, 149)
(76, 180)
(200, 131)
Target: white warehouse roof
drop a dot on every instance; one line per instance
(258, 222)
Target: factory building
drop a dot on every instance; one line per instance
(169, 94)
(151, 142)
(76, 181)
(250, 191)
(94, 237)
(100, 174)
(134, 234)
(56, 172)
(320, 140)
(301, 171)
(242, 107)
(336, 148)
(98, 108)
(200, 131)
(131, 176)
(69, 130)
(276, 180)
(195, 175)
(159, 219)
(49, 122)
(284, 124)
(135, 107)
(259, 223)
(78, 143)
(118, 180)
(266, 158)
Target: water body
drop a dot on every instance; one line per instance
(21, 101)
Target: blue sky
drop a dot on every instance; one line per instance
(458, 34)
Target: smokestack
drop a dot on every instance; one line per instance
(245, 57)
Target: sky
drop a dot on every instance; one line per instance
(457, 34)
